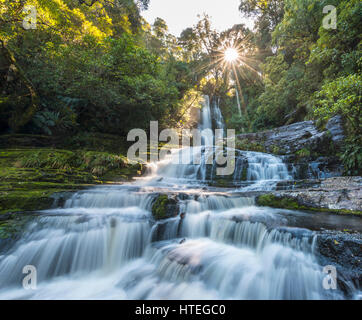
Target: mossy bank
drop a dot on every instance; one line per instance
(30, 178)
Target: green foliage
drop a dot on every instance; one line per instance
(91, 69)
(269, 13)
(314, 72)
(302, 153)
(98, 67)
(352, 157)
(50, 122)
(97, 163)
(341, 96)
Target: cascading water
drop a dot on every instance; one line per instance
(218, 118)
(206, 120)
(103, 243)
(262, 170)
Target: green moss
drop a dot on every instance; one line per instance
(223, 183)
(25, 200)
(81, 141)
(275, 149)
(164, 207)
(302, 153)
(159, 207)
(270, 200)
(8, 229)
(14, 226)
(29, 177)
(244, 174)
(247, 145)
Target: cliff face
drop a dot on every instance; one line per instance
(290, 139)
(310, 152)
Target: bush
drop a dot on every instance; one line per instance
(341, 96)
(352, 157)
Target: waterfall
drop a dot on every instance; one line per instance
(206, 122)
(103, 243)
(90, 248)
(218, 118)
(262, 171)
(238, 101)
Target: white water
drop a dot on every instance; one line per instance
(238, 101)
(263, 170)
(103, 244)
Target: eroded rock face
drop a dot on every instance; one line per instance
(335, 127)
(326, 199)
(297, 136)
(309, 168)
(309, 152)
(340, 195)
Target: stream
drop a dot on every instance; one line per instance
(103, 243)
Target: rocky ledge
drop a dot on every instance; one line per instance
(310, 151)
(342, 195)
(298, 136)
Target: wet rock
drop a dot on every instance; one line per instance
(297, 184)
(319, 168)
(339, 195)
(343, 251)
(60, 198)
(335, 127)
(165, 207)
(184, 196)
(310, 151)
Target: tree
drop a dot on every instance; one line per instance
(268, 14)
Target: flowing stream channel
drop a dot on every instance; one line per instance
(103, 243)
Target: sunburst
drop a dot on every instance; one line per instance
(231, 55)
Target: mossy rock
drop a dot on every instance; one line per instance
(302, 154)
(246, 145)
(270, 200)
(164, 207)
(223, 183)
(244, 174)
(13, 227)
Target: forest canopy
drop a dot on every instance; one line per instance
(88, 65)
(98, 66)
